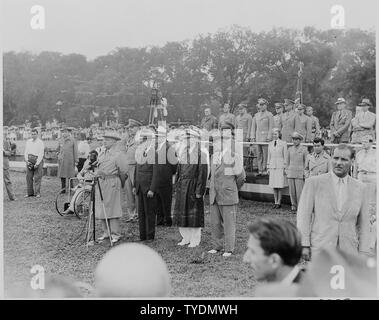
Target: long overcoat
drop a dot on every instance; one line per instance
(192, 179)
(67, 157)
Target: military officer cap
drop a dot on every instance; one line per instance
(227, 125)
(365, 103)
(289, 101)
(340, 100)
(111, 135)
(301, 106)
(297, 135)
(133, 123)
(278, 105)
(309, 108)
(262, 101)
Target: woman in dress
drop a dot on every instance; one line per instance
(277, 155)
(192, 173)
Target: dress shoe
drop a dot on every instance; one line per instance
(278, 206)
(226, 254)
(68, 211)
(192, 245)
(274, 206)
(293, 209)
(213, 251)
(183, 243)
(149, 240)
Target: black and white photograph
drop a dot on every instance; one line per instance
(198, 149)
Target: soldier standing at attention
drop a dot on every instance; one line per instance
(340, 123)
(261, 131)
(288, 120)
(226, 116)
(303, 124)
(278, 118)
(316, 131)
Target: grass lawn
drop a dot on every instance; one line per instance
(35, 234)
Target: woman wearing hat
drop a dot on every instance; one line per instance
(296, 158)
(276, 162)
(192, 173)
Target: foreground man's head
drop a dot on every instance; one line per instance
(132, 270)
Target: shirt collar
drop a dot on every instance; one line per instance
(288, 280)
(336, 179)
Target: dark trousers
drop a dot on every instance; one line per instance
(33, 180)
(63, 183)
(163, 209)
(146, 216)
(81, 163)
(8, 183)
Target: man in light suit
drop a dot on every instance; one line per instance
(261, 131)
(340, 123)
(363, 123)
(227, 177)
(333, 209)
(317, 162)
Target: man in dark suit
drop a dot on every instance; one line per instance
(162, 180)
(145, 184)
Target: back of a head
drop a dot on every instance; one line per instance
(132, 270)
(278, 236)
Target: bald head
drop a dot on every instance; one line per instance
(132, 270)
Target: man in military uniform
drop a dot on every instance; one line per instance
(244, 121)
(340, 123)
(363, 123)
(278, 118)
(131, 147)
(6, 177)
(261, 131)
(226, 116)
(316, 131)
(317, 162)
(288, 120)
(303, 124)
(111, 173)
(209, 122)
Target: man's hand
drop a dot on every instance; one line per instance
(36, 166)
(150, 194)
(306, 253)
(134, 190)
(198, 196)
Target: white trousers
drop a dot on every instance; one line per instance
(191, 235)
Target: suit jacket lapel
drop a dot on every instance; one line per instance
(349, 197)
(332, 193)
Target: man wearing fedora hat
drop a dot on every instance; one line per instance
(261, 131)
(209, 122)
(288, 120)
(363, 123)
(340, 123)
(111, 172)
(131, 147)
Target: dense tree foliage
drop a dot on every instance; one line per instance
(232, 65)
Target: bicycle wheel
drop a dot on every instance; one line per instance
(62, 201)
(82, 203)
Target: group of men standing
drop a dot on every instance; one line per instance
(293, 117)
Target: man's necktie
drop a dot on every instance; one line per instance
(339, 193)
(275, 143)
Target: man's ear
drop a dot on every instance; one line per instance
(276, 260)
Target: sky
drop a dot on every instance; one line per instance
(96, 27)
